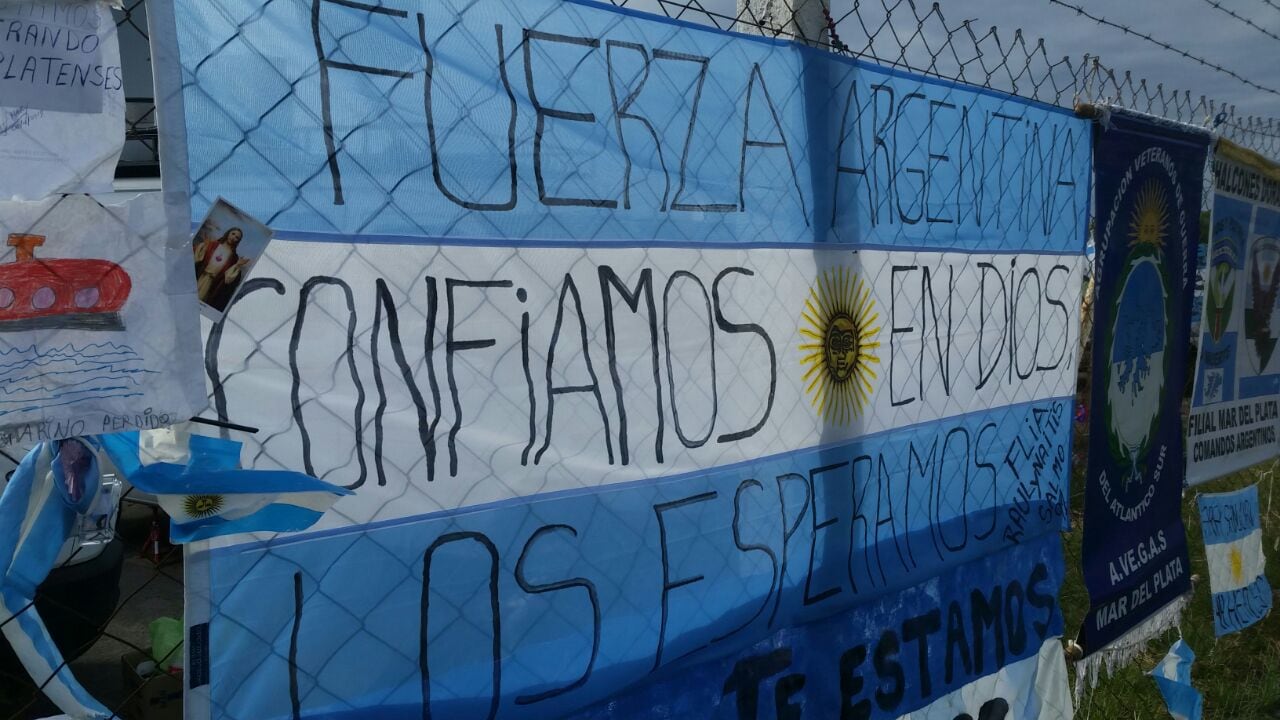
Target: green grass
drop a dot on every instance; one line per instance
(1239, 675)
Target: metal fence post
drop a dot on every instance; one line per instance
(802, 19)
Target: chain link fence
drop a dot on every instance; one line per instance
(248, 349)
(899, 34)
(141, 155)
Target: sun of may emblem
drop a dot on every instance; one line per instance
(839, 328)
(1150, 219)
(202, 506)
(1237, 565)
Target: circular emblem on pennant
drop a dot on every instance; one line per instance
(1141, 326)
(202, 506)
(839, 326)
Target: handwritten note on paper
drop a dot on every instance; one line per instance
(99, 330)
(51, 56)
(61, 98)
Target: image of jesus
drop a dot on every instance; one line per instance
(219, 268)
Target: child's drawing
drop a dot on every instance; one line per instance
(59, 293)
(99, 326)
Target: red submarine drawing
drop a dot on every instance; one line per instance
(59, 293)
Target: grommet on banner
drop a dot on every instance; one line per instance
(1073, 652)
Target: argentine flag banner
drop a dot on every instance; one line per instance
(1237, 567)
(54, 485)
(676, 373)
(198, 482)
(1172, 676)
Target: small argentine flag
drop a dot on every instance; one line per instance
(197, 481)
(1173, 677)
(1233, 547)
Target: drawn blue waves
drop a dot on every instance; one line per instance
(33, 378)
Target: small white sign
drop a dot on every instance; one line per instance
(51, 56)
(61, 98)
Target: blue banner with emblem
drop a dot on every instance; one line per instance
(1148, 184)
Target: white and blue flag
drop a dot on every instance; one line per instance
(1173, 677)
(1237, 566)
(197, 481)
(54, 483)
(664, 410)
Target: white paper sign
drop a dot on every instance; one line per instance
(51, 56)
(98, 321)
(61, 98)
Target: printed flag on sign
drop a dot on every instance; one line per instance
(198, 483)
(1233, 547)
(1173, 677)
